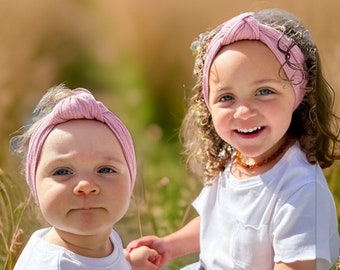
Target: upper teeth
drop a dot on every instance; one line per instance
(249, 130)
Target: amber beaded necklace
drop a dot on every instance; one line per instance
(279, 151)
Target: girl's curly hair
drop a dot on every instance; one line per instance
(313, 124)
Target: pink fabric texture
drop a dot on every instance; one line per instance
(81, 105)
(246, 27)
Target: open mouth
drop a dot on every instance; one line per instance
(250, 131)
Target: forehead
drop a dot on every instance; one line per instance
(246, 59)
(78, 126)
(88, 134)
(250, 49)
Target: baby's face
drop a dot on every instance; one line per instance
(82, 179)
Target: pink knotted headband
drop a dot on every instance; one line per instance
(81, 105)
(246, 27)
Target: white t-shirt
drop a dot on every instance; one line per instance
(286, 214)
(41, 255)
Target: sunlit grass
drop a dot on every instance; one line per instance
(12, 207)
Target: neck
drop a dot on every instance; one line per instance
(243, 169)
(95, 246)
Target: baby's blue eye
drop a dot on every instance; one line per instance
(62, 172)
(106, 170)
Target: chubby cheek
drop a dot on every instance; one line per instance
(51, 198)
(120, 201)
(222, 126)
(120, 210)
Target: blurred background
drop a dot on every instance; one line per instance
(134, 56)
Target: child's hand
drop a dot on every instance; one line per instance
(154, 243)
(143, 258)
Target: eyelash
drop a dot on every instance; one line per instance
(62, 171)
(268, 91)
(228, 97)
(107, 169)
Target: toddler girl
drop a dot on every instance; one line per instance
(259, 128)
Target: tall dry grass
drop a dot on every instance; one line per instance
(12, 207)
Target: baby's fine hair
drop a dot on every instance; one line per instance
(19, 143)
(314, 124)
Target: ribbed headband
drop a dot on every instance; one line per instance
(81, 105)
(246, 27)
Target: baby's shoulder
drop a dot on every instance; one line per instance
(38, 254)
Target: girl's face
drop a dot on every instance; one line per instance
(251, 100)
(82, 179)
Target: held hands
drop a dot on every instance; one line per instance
(152, 248)
(143, 258)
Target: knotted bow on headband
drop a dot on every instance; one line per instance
(246, 27)
(81, 105)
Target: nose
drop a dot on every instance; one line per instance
(86, 187)
(244, 112)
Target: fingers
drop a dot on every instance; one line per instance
(144, 258)
(143, 241)
(153, 257)
(151, 266)
(155, 260)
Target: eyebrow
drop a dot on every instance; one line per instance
(222, 87)
(113, 159)
(263, 81)
(103, 158)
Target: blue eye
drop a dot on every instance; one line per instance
(265, 91)
(226, 98)
(62, 172)
(106, 170)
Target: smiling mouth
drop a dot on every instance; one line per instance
(250, 130)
